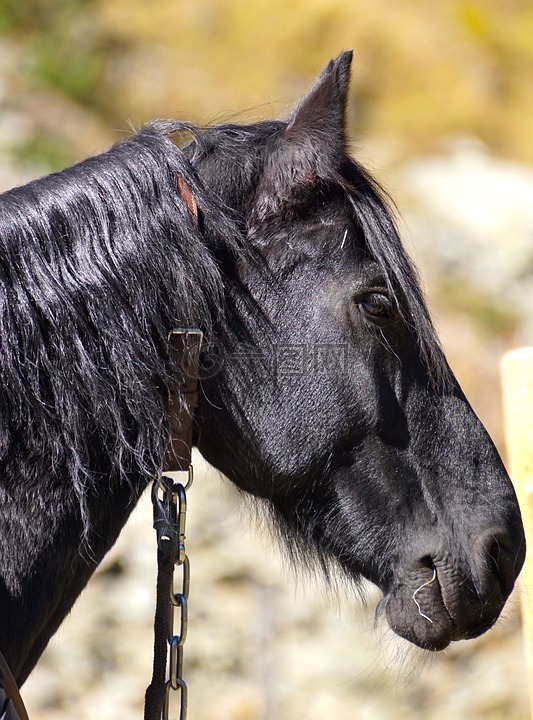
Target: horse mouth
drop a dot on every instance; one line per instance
(437, 607)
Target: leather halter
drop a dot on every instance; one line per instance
(184, 351)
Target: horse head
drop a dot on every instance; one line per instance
(332, 398)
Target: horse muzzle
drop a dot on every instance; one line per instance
(440, 597)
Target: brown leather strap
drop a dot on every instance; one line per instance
(188, 199)
(11, 705)
(184, 350)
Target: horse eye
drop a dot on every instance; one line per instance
(376, 306)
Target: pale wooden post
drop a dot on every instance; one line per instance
(517, 372)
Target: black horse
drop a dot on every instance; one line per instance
(324, 388)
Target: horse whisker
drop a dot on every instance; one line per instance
(428, 582)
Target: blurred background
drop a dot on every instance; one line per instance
(441, 111)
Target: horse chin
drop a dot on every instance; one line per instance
(430, 628)
(430, 614)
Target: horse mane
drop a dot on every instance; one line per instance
(97, 263)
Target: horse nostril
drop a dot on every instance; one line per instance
(501, 559)
(427, 562)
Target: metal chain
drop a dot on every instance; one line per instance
(170, 510)
(172, 506)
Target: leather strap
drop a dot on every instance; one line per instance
(188, 199)
(11, 704)
(184, 351)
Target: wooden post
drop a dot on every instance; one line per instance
(517, 373)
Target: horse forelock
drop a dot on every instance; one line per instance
(373, 211)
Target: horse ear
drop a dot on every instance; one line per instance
(323, 109)
(314, 142)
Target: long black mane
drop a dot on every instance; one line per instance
(97, 264)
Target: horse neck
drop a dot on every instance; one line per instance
(45, 562)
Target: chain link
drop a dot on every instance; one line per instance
(173, 502)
